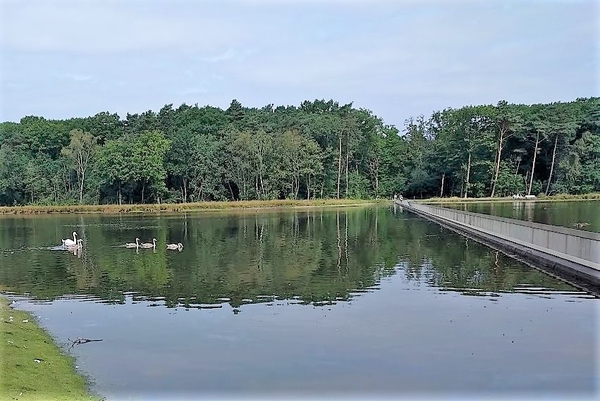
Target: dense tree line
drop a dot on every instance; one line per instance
(319, 149)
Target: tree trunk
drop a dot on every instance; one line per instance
(552, 165)
(200, 191)
(374, 170)
(296, 186)
(244, 188)
(497, 167)
(468, 174)
(143, 189)
(262, 185)
(185, 191)
(308, 187)
(347, 165)
(537, 141)
(120, 196)
(230, 190)
(442, 186)
(339, 174)
(81, 187)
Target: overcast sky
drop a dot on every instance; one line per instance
(63, 59)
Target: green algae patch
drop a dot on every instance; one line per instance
(33, 366)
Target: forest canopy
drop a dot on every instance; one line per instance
(319, 149)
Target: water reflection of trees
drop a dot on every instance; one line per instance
(315, 256)
(444, 259)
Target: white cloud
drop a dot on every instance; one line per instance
(109, 27)
(78, 77)
(227, 55)
(193, 90)
(395, 57)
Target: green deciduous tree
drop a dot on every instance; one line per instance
(147, 162)
(318, 149)
(80, 152)
(507, 122)
(113, 167)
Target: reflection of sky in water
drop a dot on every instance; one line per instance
(404, 340)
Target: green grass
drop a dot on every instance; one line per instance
(22, 341)
(184, 207)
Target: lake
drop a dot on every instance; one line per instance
(580, 215)
(366, 302)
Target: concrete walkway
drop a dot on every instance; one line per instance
(572, 255)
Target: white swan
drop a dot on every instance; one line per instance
(74, 246)
(175, 247)
(70, 242)
(149, 245)
(135, 244)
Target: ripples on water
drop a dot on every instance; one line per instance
(359, 302)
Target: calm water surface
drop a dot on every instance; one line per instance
(581, 215)
(364, 302)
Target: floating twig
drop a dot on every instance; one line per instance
(80, 340)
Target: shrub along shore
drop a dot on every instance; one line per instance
(187, 207)
(33, 365)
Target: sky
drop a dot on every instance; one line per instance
(397, 58)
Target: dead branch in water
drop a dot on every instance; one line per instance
(80, 340)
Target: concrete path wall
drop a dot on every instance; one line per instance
(574, 251)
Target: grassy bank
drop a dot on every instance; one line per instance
(553, 198)
(33, 367)
(183, 207)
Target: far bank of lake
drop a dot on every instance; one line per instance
(188, 207)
